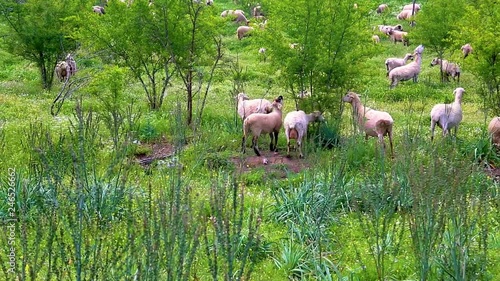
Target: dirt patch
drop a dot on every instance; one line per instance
(272, 162)
(157, 151)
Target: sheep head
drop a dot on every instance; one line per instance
(458, 92)
(418, 50)
(436, 61)
(350, 97)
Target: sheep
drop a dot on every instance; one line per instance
(466, 50)
(257, 11)
(407, 71)
(226, 13)
(374, 123)
(405, 15)
(98, 10)
(375, 39)
(243, 31)
(209, 2)
(62, 71)
(447, 116)
(294, 45)
(392, 63)
(448, 69)
(399, 36)
(386, 28)
(247, 106)
(409, 7)
(262, 123)
(382, 8)
(72, 64)
(295, 124)
(494, 131)
(240, 18)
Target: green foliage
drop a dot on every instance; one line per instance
(38, 32)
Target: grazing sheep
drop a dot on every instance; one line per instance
(494, 131)
(241, 18)
(98, 10)
(407, 71)
(448, 69)
(386, 28)
(375, 39)
(466, 49)
(447, 116)
(243, 31)
(257, 11)
(409, 7)
(392, 63)
(209, 2)
(262, 123)
(226, 13)
(374, 123)
(295, 124)
(405, 15)
(382, 8)
(399, 36)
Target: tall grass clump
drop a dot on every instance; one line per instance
(308, 209)
(447, 211)
(232, 239)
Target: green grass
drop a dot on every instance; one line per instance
(206, 156)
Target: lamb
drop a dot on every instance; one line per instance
(494, 131)
(375, 39)
(405, 15)
(295, 124)
(262, 123)
(408, 71)
(448, 69)
(392, 63)
(399, 36)
(447, 116)
(382, 8)
(243, 31)
(374, 123)
(466, 49)
(98, 10)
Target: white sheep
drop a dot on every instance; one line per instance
(262, 123)
(243, 31)
(386, 28)
(257, 11)
(392, 63)
(98, 10)
(404, 15)
(241, 18)
(209, 2)
(447, 116)
(399, 36)
(494, 131)
(248, 106)
(373, 122)
(466, 49)
(407, 71)
(295, 124)
(62, 70)
(409, 7)
(448, 69)
(375, 39)
(226, 13)
(382, 8)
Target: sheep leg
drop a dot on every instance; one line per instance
(271, 144)
(394, 83)
(299, 145)
(275, 147)
(243, 144)
(433, 126)
(255, 145)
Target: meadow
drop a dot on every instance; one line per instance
(109, 189)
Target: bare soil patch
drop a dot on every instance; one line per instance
(272, 162)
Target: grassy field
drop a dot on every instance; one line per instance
(87, 209)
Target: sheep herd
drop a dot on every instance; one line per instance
(261, 116)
